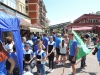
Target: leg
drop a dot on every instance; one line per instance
(42, 70)
(64, 59)
(38, 69)
(49, 62)
(16, 71)
(53, 61)
(57, 54)
(61, 59)
(73, 69)
(82, 62)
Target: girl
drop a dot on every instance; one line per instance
(63, 51)
(51, 47)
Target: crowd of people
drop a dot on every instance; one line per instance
(39, 48)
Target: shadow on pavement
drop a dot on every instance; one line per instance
(80, 70)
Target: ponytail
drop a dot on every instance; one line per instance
(63, 43)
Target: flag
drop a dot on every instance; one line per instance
(82, 49)
(98, 52)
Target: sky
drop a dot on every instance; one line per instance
(60, 11)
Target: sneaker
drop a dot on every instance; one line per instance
(49, 70)
(52, 70)
(63, 63)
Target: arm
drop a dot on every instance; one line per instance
(31, 58)
(51, 52)
(43, 46)
(76, 48)
(67, 51)
(12, 64)
(76, 51)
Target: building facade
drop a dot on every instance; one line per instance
(37, 11)
(89, 21)
(11, 3)
(21, 6)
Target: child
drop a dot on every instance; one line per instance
(63, 51)
(29, 56)
(50, 49)
(41, 57)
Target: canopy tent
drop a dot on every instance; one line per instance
(10, 23)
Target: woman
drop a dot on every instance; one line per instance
(63, 51)
(9, 48)
(9, 45)
(4, 56)
(51, 47)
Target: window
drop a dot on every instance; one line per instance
(20, 8)
(23, 9)
(6, 2)
(14, 6)
(9, 3)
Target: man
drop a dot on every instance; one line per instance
(45, 42)
(73, 50)
(58, 41)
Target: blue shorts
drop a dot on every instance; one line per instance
(41, 69)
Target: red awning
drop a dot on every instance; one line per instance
(82, 28)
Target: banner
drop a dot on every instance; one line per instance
(82, 49)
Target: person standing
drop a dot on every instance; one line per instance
(63, 51)
(73, 50)
(41, 60)
(45, 42)
(4, 56)
(58, 41)
(51, 47)
(28, 57)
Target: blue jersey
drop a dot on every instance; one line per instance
(73, 45)
(58, 41)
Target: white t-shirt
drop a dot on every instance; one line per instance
(63, 50)
(9, 47)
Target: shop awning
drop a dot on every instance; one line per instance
(82, 28)
(35, 29)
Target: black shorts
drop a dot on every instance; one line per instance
(70, 59)
(58, 51)
(62, 54)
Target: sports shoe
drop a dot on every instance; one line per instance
(49, 70)
(52, 70)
